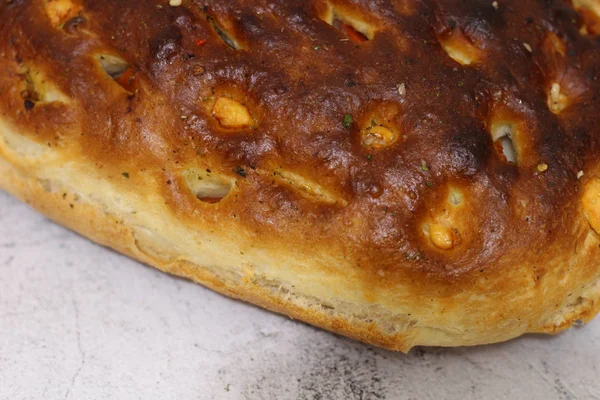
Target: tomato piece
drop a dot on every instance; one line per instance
(127, 80)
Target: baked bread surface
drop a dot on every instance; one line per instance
(401, 172)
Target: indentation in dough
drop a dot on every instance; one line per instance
(232, 114)
(591, 203)
(308, 188)
(39, 89)
(60, 11)
(459, 47)
(590, 12)
(207, 186)
(224, 28)
(448, 218)
(347, 21)
(379, 128)
(509, 133)
(119, 70)
(502, 134)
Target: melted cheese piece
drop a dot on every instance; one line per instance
(378, 136)
(557, 100)
(60, 11)
(442, 236)
(232, 114)
(460, 49)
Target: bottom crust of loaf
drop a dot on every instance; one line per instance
(62, 200)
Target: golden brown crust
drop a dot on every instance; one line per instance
(361, 144)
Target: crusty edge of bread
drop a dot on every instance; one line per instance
(93, 222)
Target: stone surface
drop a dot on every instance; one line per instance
(78, 321)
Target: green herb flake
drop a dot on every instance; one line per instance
(424, 166)
(428, 184)
(369, 157)
(348, 121)
(125, 174)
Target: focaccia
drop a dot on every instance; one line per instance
(403, 172)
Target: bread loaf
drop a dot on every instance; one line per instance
(402, 172)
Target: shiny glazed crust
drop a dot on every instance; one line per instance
(405, 173)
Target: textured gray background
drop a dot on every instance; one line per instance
(78, 321)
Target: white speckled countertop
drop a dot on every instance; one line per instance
(78, 321)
